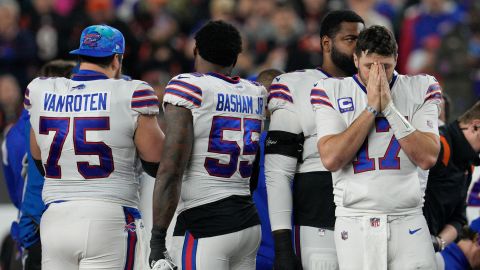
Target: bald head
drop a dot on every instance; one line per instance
(266, 77)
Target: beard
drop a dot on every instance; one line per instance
(343, 62)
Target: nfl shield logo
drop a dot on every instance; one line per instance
(344, 235)
(374, 222)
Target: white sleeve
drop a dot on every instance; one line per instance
(279, 173)
(425, 119)
(144, 100)
(327, 119)
(181, 93)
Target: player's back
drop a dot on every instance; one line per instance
(85, 127)
(381, 179)
(228, 118)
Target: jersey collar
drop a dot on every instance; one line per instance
(324, 72)
(364, 89)
(88, 75)
(233, 80)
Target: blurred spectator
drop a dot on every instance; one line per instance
(457, 61)
(10, 100)
(157, 75)
(50, 29)
(445, 110)
(17, 47)
(422, 29)
(103, 12)
(312, 12)
(366, 10)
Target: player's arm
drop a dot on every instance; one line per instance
(339, 148)
(283, 142)
(36, 153)
(149, 142)
(166, 193)
(283, 146)
(418, 139)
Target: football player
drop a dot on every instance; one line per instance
(88, 136)
(375, 129)
(214, 123)
(291, 153)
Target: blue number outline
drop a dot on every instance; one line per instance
(58, 139)
(103, 151)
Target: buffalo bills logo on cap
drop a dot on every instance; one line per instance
(91, 39)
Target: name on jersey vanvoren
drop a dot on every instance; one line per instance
(238, 103)
(75, 103)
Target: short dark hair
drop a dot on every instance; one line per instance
(472, 114)
(219, 42)
(100, 61)
(57, 68)
(330, 24)
(376, 39)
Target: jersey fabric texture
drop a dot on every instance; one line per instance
(290, 95)
(291, 92)
(89, 122)
(228, 116)
(381, 179)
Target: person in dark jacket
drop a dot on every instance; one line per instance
(449, 179)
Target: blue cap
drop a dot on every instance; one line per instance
(100, 41)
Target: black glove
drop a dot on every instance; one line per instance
(285, 258)
(157, 244)
(438, 243)
(34, 257)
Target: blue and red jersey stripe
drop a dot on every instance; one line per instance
(280, 91)
(131, 240)
(189, 253)
(318, 96)
(434, 92)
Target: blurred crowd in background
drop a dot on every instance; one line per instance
(438, 37)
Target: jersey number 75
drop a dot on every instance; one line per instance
(61, 127)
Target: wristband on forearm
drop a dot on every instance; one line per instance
(400, 126)
(158, 237)
(372, 110)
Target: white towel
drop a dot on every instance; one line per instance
(375, 242)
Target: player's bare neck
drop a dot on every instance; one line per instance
(206, 67)
(89, 66)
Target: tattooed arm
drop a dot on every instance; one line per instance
(175, 155)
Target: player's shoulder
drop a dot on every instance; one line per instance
(41, 83)
(419, 79)
(302, 76)
(335, 84)
(186, 90)
(420, 85)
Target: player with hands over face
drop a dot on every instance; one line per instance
(375, 130)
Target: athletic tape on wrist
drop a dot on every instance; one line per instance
(400, 126)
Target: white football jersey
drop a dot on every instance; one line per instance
(85, 128)
(381, 179)
(291, 92)
(228, 116)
